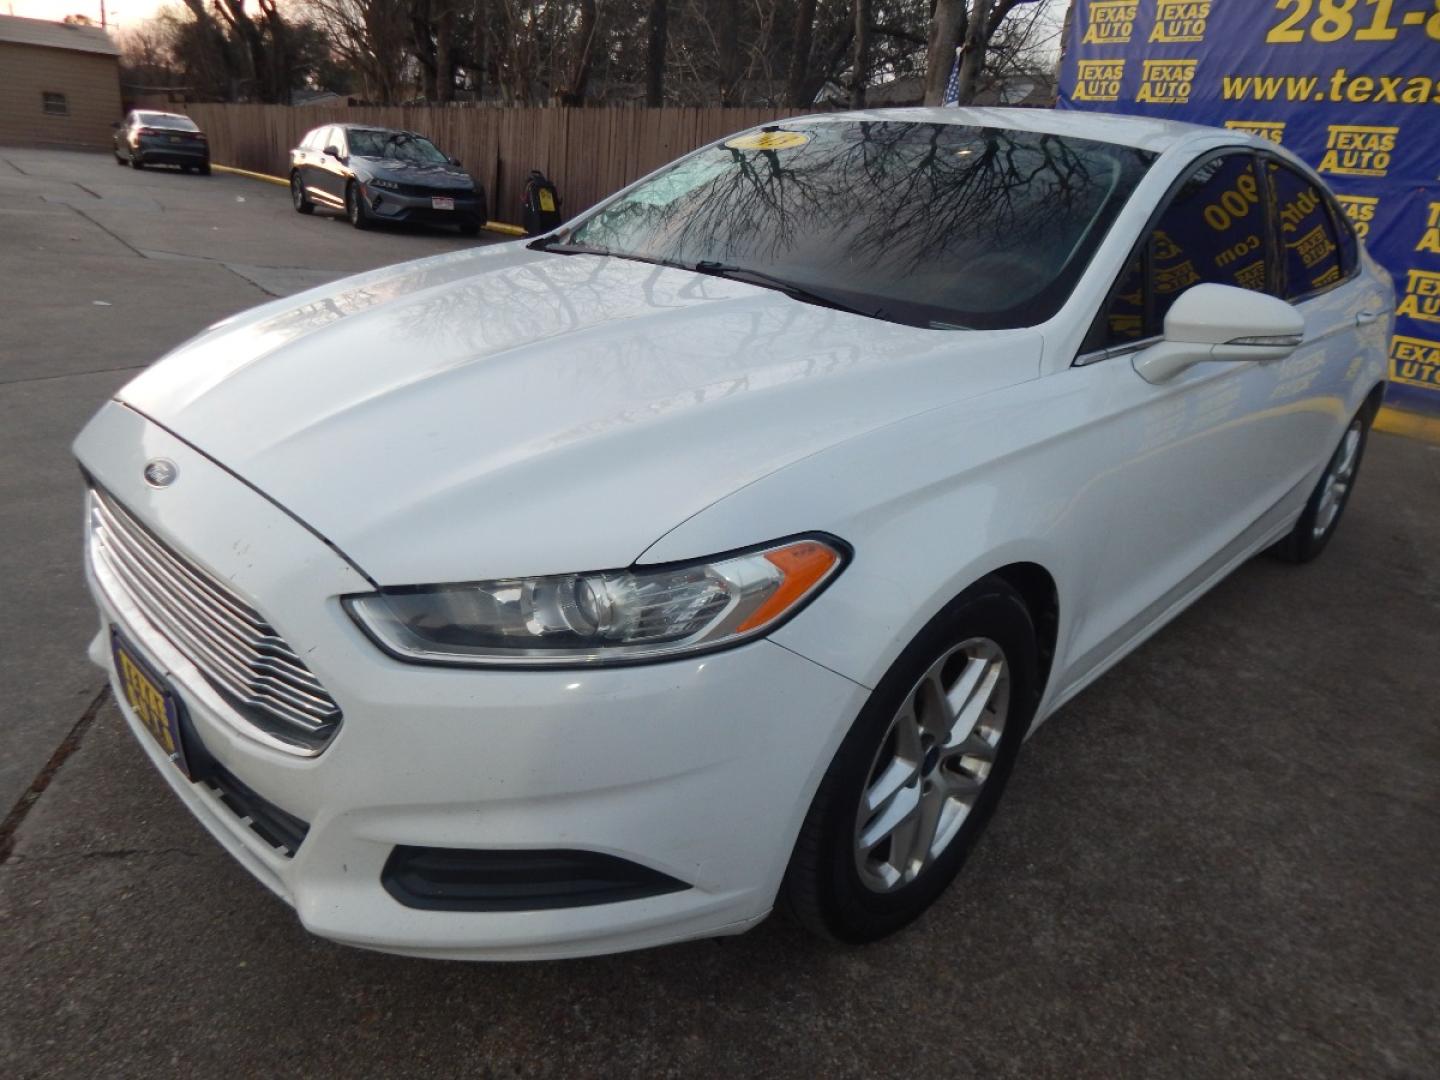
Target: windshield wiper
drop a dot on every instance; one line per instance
(558, 245)
(765, 279)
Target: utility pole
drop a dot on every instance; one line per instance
(102, 15)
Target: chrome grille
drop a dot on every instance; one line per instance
(240, 655)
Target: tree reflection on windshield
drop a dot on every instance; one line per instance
(935, 223)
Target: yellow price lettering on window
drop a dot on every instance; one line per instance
(768, 140)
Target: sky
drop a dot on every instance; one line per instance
(118, 13)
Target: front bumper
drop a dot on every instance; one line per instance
(396, 206)
(699, 769)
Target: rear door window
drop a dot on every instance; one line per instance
(1311, 248)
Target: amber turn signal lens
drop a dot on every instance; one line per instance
(805, 564)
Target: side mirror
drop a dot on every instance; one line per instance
(333, 151)
(455, 161)
(1221, 322)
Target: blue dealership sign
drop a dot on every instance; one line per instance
(1351, 86)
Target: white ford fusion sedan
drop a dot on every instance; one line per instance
(719, 549)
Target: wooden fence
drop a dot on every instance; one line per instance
(588, 153)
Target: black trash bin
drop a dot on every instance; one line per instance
(541, 209)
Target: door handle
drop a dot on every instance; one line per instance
(1365, 318)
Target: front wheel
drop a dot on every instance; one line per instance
(298, 198)
(919, 774)
(355, 208)
(1327, 502)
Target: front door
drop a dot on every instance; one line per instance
(1197, 468)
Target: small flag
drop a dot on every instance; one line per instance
(952, 88)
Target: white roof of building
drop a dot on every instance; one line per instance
(54, 35)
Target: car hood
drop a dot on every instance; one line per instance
(409, 172)
(500, 411)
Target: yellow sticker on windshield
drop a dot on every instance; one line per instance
(768, 140)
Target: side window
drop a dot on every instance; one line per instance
(337, 140)
(1310, 247)
(311, 141)
(1349, 243)
(1212, 230)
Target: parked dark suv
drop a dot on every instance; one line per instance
(158, 138)
(379, 174)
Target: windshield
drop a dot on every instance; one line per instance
(938, 225)
(394, 145)
(165, 120)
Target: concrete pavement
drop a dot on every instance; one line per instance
(1219, 861)
(104, 269)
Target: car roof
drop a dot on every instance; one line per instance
(1144, 132)
(372, 127)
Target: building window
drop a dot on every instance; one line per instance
(55, 104)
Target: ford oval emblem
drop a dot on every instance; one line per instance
(160, 472)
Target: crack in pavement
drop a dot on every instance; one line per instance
(71, 374)
(105, 229)
(110, 853)
(31, 795)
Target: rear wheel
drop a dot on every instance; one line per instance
(135, 162)
(205, 169)
(355, 208)
(298, 198)
(915, 781)
(470, 228)
(1327, 503)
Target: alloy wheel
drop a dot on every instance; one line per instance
(297, 192)
(1338, 479)
(932, 765)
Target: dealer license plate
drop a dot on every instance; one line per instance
(440, 202)
(154, 703)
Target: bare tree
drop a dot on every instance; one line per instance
(370, 36)
(860, 64)
(970, 26)
(582, 57)
(658, 30)
(801, 44)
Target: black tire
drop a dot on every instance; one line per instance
(298, 198)
(1305, 541)
(823, 888)
(205, 169)
(135, 162)
(355, 210)
(119, 160)
(470, 228)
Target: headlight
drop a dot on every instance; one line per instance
(614, 616)
(388, 185)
